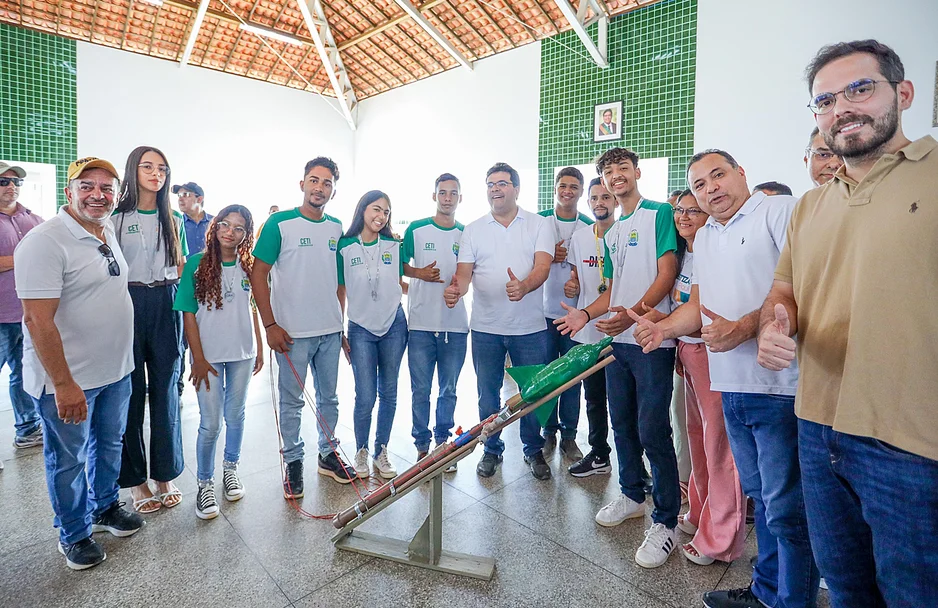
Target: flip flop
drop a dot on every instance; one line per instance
(140, 505)
(691, 553)
(172, 493)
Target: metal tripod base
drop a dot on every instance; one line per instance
(426, 548)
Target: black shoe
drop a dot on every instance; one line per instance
(538, 465)
(82, 555)
(591, 464)
(753, 561)
(570, 449)
(488, 465)
(293, 484)
(550, 443)
(734, 598)
(649, 484)
(750, 511)
(333, 466)
(118, 521)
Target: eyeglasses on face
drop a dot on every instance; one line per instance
(113, 268)
(226, 226)
(679, 211)
(824, 155)
(856, 91)
(500, 183)
(6, 181)
(149, 168)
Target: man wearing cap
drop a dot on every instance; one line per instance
(77, 358)
(15, 221)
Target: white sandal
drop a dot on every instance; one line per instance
(140, 505)
(691, 553)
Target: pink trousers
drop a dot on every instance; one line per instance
(717, 503)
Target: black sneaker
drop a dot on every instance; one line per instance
(550, 443)
(118, 521)
(234, 489)
(734, 598)
(333, 466)
(82, 555)
(538, 465)
(570, 449)
(293, 484)
(488, 465)
(206, 505)
(591, 464)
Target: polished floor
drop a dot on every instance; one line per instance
(261, 552)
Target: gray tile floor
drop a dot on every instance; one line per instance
(261, 552)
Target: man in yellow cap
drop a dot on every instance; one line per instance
(78, 354)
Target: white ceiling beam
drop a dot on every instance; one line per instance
(194, 33)
(418, 17)
(597, 52)
(315, 18)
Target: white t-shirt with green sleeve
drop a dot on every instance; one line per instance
(426, 242)
(633, 246)
(227, 333)
(303, 276)
(560, 271)
(142, 243)
(371, 273)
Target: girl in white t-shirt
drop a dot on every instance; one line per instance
(223, 334)
(370, 268)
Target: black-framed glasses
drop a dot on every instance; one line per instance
(113, 268)
(679, 211)
(6, 181)
(856, 91)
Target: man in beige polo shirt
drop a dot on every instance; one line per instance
(857, 282)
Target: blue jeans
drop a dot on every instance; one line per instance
(638, 386)
(763, 434)
(83, 460)
(224, 396)
(569, 406)
(873, 518)
(446, 351)
(376, 364)
(11, 352)
(488, 359)
(321, 355)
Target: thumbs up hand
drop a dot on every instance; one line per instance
(721, 335)
(429, 273)
(560, 252)
(514, 288)
(647, 332)
(571, 288)
(452, 293)
(776, 347)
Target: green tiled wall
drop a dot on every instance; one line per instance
(652, 54)
(38, 119)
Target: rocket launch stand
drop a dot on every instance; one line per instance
(426, 548)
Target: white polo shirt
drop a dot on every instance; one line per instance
(142, 245)
(734, 268)
(227, 333)
(682, 287)
(424, 243)
(563, 230)
(633, 246)
(586, 253)
(371, 273)
(95, 318)
(303, 276)
(493, 249)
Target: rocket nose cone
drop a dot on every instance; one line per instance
(605, 342)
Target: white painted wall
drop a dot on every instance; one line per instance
(243, 141)
(751, 94)
(460, 122)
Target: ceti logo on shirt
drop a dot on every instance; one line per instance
(429, 246)
(456, 249)
(386, 257)
(332, 244)
(633, 238)
(133, 229)
(246, 284)
(306, 242)
(355, 262)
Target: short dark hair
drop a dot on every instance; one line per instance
(614, 156)
(322, 161)
(777, 187)
(446, 177)
(596, 181)
(696, 158)
(569, 172)
(814, 133)
(499, 167)
(675, 193)
(889, 63)
(607, 110)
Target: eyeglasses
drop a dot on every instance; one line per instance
(500, 183)
(824, 155)
(239, 230)
(679, 211)
(861, 90)
(150, 168)
(6, 181)
(113, 268)
(186, 195)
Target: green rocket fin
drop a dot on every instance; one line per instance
(543, 412)
(522, 374)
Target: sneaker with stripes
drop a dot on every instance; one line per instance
(234, 489)
(206, 507)
(658, 545)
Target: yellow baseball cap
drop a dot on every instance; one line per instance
(89, 162)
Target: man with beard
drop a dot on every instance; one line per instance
(819, 160)
(302, 314)
(854, 282)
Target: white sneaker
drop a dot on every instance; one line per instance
(659, 542)
(383, 465)
(619, 510)
(361, 463)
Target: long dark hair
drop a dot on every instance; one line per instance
(358, 220)
(127, 201)
(681, 241)
(208, 274)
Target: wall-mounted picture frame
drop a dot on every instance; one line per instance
(607, 121)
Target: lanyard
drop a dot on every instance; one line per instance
(628, 231)
(365, 257)
(600, 260)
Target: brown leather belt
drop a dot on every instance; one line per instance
(153, 284)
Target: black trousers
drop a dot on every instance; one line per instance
(597, 413)
(157, 357)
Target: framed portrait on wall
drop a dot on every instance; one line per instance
(607, 121)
